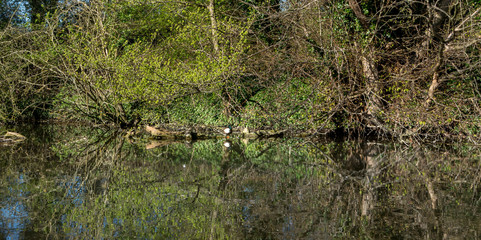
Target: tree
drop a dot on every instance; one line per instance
(38, 10)
(381, 59)
(10, 13)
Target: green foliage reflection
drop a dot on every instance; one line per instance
(90, 183)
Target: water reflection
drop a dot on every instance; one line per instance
(73, 182)
(14, 216)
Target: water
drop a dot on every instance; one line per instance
(79, 182)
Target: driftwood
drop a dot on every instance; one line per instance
(162, 133)
(12, 137)
(246, 133)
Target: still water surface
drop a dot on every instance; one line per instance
(83, 183)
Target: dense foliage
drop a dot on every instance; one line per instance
(400, 68)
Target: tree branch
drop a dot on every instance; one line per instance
(358, 12)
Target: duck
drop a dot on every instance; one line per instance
(227, 131)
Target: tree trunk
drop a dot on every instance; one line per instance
(369, 71)
(439, 15)
(354, 5)
(435, 77)
(439, 21)
(372, 92)
(213, 24)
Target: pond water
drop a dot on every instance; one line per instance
(79, 182)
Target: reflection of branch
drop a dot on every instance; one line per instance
(214, 216)
(263, 151)
(438, 221)
(322, 215)
(422, 164)
(104, 140)
(329, 159)
(196, 194)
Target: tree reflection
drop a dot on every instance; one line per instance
(86, 183)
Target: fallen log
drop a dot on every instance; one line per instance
(161, 133)
(180, 133)
(12, 137)
(262, 133)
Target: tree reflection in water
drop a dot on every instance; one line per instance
(90, 183)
